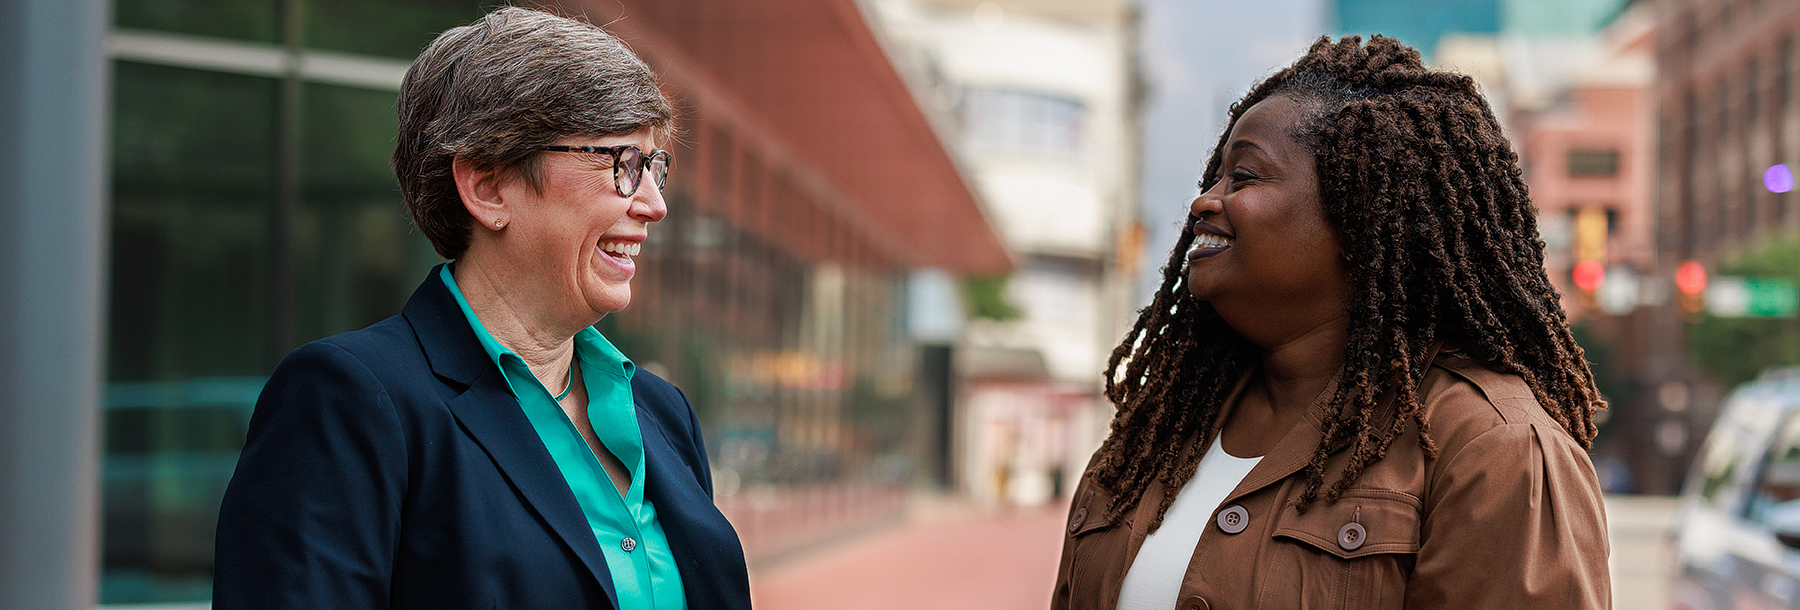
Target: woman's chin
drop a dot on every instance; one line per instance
(607, 299)
(1199, 288)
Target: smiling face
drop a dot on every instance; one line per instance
(571, 242)
(1262, 244)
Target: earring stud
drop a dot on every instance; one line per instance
(498, 224)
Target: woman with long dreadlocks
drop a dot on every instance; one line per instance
(1356, 387)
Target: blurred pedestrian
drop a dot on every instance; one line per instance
(487, 448)
(1356, 387)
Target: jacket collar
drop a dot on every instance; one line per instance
(444, 334)
(1295, 449)
(491, 415)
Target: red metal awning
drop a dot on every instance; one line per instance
(810, 81)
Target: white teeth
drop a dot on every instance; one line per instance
(620, 248)
(1207, 240)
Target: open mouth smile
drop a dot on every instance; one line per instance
(1205, 240)
(620, 250)
(1208, 245)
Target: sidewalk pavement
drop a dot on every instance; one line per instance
(1643, 549)
(950, 555)
(946, 555)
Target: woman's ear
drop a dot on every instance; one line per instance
(480, 192)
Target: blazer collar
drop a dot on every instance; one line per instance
(444, 334)
(491, 415)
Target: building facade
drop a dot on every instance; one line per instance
(251, 209)
(1041, 97)
(1726, 112)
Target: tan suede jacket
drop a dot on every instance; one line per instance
(1508, 515)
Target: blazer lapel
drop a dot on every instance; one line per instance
(490, 415)
(702, 540)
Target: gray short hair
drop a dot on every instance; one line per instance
(490, 91)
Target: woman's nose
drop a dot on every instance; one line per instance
(1207, 203)
(647, 204)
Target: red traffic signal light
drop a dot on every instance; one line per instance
(1690, 278)
(1588, 274)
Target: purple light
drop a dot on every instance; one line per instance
(1778, 179)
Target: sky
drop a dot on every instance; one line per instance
(1199, 56)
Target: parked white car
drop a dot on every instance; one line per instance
(1738, 533)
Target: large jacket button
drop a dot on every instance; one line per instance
(1351, 536)
(1076, 519)
(1234, 519)
(1195, 602)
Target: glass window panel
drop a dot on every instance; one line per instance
(193, 175)
(1595, 163)
(193, 185)
(1020, 121)
(241, 19)
(358, 256)
(395, 28)
(1753, 94)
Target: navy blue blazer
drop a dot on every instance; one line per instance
(390, 467)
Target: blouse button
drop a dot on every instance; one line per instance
(1234, 519)
(628, 544)
(1351, 536)
(1076, 519)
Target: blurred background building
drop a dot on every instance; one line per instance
(1727, 138)
(1040, 98)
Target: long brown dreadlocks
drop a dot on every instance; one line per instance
(1431, 207)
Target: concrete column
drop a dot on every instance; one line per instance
(54, 95)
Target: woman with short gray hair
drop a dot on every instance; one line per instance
(487, 448)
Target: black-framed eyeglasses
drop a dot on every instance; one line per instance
(628, 163)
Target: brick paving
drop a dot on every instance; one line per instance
(945, 556)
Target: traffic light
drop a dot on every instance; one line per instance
(1589, 271)
(1690, 284)
(1591, 231)
(1588, 275)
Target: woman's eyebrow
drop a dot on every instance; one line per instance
(1237, 144)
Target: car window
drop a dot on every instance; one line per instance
(1778, 480)
(1717, 472)
(1718, 466)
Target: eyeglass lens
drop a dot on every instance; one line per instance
(629, 170)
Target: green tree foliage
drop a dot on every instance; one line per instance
(1734, 350)
(986, 298)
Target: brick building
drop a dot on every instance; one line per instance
(1727, 110)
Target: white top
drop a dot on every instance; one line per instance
(1154, 581)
